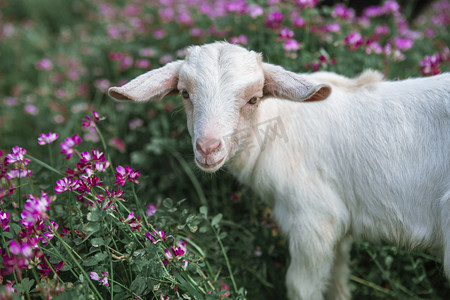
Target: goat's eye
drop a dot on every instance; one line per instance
(184, 94)
(253, 100)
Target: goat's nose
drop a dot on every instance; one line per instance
(208, 146)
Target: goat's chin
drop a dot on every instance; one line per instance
(210, 167)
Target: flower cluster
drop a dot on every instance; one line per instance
(176, 253)
(126, 174)
(67, 147)
(47, 138)
(18, 164)
(132, 221)
(430, 65)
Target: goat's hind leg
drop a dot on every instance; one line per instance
(338, 284)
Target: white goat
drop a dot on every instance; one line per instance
(370, 161)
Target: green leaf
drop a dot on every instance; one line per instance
(8, 234)
(97, 242)
(204, 211)
(27, 283)
(94, 216)
(167, 203)
(91, 261)
(101, 256)
(138, 285)
(215, 221)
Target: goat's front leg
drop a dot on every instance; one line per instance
(313, 239)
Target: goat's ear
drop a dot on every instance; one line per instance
(153, 85)
(287, 85)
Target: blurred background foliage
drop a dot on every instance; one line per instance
(59, 57)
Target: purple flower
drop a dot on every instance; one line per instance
(20, 248)
(31, 109)
(291, 45)
(21, 173)
(44, 64)
(242, 39)
(286, 34)
(17, 156)
(4, 218)
(353, 40)
(391, 7)
(142, 63)
(151, 209)
(127, 173)
(255, 11)
(340, 11)
(372, 46)
(35, 209)
(299, 22)
(159, 234)
(135, 123)
(373, 11)
(307, 3)
(134, 222)
(47, 138)
(274, 20)
(333, 27)
(65, 184)
(403, 43)
(68, 144)
(103, 279)
(430, 65)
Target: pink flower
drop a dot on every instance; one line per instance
(255, 11)
(340, 11)
(391, 7)
(286, 33)
(146, 52)
(166, 14)
(307, 3)
(151, 209)
(142, 63)
(353, 40)
(31, 109)
(4, 218)
(242, 39)
(374, 47)
(196, 32)
(68, 144)
(103, 279)
(35, 209)
(20, 248)
(117, 143)
(44, 64)
(291, 45)
(18, 173)
(127, 173)
(47, 138)
(403, 43)
(132, 221)
(333, 27)
(17, 156)
(274, 20)
(65, 184)
(430, 65)
(299, 22)
(135, 123)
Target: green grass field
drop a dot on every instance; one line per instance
(115, 208)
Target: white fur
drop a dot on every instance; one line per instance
(371, 160)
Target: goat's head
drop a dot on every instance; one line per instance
(221, 86)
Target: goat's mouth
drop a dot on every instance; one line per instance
(210, 167)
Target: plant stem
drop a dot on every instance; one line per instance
(69, 251)
(226, 259)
